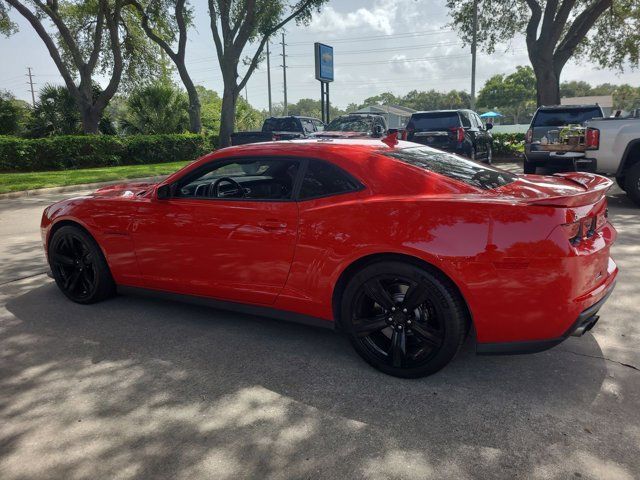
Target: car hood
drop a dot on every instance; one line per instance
(130, 189)
(563, 189)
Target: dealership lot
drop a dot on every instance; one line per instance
(138, 388)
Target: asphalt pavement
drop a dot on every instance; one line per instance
(136, 388)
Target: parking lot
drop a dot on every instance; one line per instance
(139, 388)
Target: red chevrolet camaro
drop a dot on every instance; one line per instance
(403, 247)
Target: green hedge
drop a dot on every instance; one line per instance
(86, 151)
(508, 144)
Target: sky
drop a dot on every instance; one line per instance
(379, 46)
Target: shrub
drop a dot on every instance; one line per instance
(86, 151)
(508, 144)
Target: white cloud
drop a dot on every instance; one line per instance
(378, 19)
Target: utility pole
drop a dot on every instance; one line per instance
(284, 74)
(33, 95)
(269, 79)
(474, 48)
(246, 95)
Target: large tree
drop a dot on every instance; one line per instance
(166, 23)
(86, 38)
(235, 24)
(602, 31)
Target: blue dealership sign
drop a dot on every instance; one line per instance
(324, 62)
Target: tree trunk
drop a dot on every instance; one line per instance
(195, 117)
(547, 81)
(90, 117)
(227, 115)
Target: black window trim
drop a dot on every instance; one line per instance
(295, 191)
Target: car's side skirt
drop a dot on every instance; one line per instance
(248, 309)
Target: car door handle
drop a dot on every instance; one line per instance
(273, 225)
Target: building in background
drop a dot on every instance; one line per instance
(395, 115)
(604, 101)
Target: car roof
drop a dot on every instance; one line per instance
(567, 107)
(441, 111)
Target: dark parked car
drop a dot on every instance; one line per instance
(355, 125)
(546, 123)
(280, 128)
(456, 131)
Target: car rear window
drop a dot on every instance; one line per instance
(430, 122)
(559, 116)
(353, 123)
(280, 125)
(453, 166)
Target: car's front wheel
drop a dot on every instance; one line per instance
(78, 266)
(402, 319)
(529, 168)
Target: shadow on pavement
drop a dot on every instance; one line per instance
(136, 387)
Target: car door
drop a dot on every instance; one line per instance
(484, 136)
(227, 231)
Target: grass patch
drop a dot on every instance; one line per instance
(15, 182)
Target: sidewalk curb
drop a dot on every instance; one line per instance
(76, 188)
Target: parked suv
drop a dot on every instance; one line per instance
(456, 131)
(545, 123)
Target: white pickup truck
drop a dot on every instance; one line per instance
(613, 148)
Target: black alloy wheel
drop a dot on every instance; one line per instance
(404, 320)
(78, 266)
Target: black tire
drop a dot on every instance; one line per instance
(632, 183)
(620, 182)
(410, 343)
(472, 153)
(79, 267)
(529, 168)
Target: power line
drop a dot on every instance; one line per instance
(386, 49)
(387, 37)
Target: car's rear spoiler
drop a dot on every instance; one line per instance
(595, 187)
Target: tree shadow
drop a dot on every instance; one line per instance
(136, 387)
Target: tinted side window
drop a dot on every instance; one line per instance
(464, 119)
(322, 178)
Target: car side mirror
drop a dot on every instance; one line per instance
(163, 192)
(489, 126)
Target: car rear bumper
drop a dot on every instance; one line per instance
(591, 302)
(568, 161)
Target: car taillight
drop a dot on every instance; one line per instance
(459, 133)
(528, 138)
(592, 138)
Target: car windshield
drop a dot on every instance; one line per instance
(280, 125)
(429, 122)
(453, 166)
(349, 124)
(558, 117)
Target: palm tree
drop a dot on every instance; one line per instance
(55, 113)
(154, 109)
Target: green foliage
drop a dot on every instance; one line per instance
(156, 109)
(55, 113)
(86, 151)
(512, 94)
(508, 144)
(13, 114)
(247, 117)
(210, 107)
(306, 107)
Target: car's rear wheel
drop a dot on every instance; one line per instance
(402, 319)
(632, 183)
(78, 266)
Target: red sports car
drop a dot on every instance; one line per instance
(403, 247)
